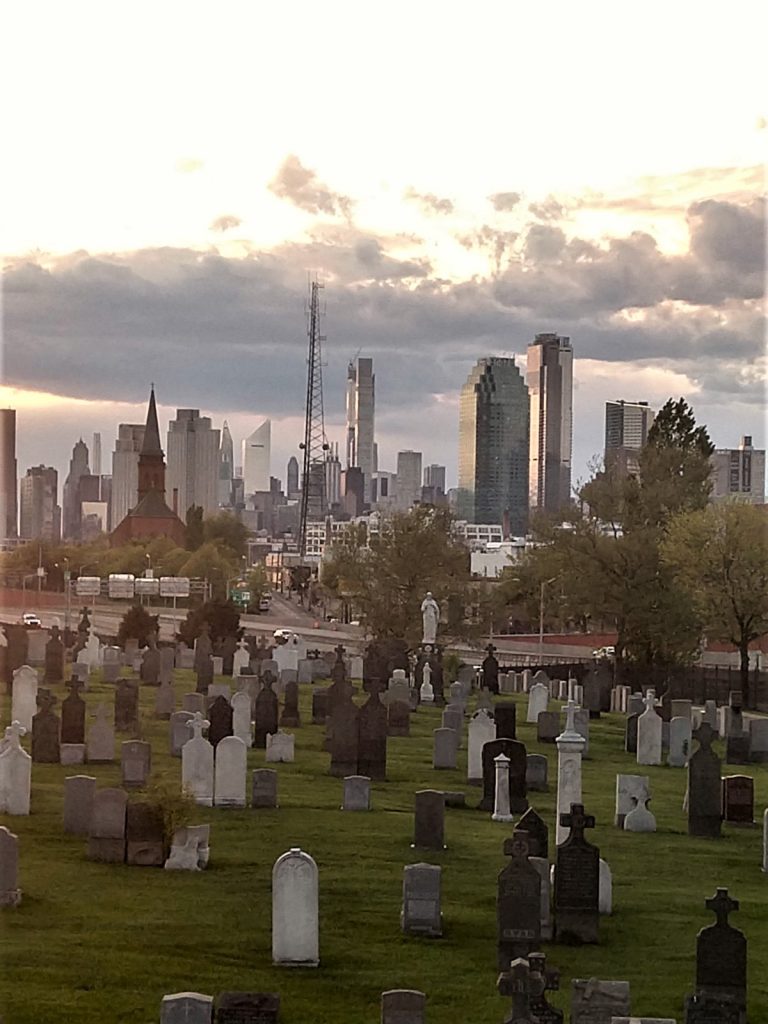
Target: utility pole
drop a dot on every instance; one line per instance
(315, 444)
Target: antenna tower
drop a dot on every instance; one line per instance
(315, 444)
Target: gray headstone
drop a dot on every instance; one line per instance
(106, 837)
(186, 1007)
(403, 1006)
(445, 749)
(429, 820)
(536, 773)
(135, 763)
(357, 793)
(79, 791)
(518, 903)
(420, 913)
(597, 1002)
(264, 788)
(179, 730)
(10, 893)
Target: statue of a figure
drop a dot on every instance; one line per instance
(430, 616)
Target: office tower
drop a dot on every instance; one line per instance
(352, 486)
(434, 476)
(96, 455)
(125, 471)
(384, 490)
(550, 386)
(493, 445)
(226, 467)
(292, 479)
(70, 502)
(408, 479)
(333, 477)
(8, 500)
(361, 403)
(39, 512)
(193, 462)
(626, 431)
(739, 473)
(256, 458)
(151, 516)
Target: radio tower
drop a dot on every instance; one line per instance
(315, 445)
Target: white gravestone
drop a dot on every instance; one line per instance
(538, 698)
(629, 789)
(287, 657)
(241, 717)
(197, 763)
(241, 659)
(501, 810)
(24, 696)
(15, 773)
(295, 912)
(280, 747)
(640, 818)
(426, 691)
(231, 769)
(570, 747)
(481, 730)
(649, 730)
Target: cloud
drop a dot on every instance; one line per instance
(548, 209)
(225, 223)
(504, 201)
(495, 242)
(301, 186)
(188, 165)
(429, 202)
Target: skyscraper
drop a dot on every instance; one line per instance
(292, 478)
(738, 474)
(96, 455)
(550, 386)
(125, 471)
(434, 476)
(493, 445)
(226, 467)
(8, 500)
(408, 479)
(361, 404)
(71, 496)
(257, 457)
(193, 462)
(626, 431)
(39, 512)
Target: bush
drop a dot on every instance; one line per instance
(176, 807)
(137, 624)
(222, 617)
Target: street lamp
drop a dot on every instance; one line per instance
(544, 585)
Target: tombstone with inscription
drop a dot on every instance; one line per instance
(344, 738)
(537, 831)
(247, 1008)
(704, 787)
(403, 1006)
(548, 981)
(548, 726)
(149, 673)
(429, 820)
(73, 714)
(515, 751)
(680, 735)
(186, 1008)
(649, 732)
(46, 743)
(106, 835)
(295, 912)
(319, 705)
(629, 790)
(197, 763)
(135, 763)
(398, 718)
(264, 789)
(290, 717)
(739, 800)
(517, 983)
(721, 967)
(15, 772)
(640, 819)
(518, 902)
(420, 913)
(577, 882)
(537, 773)
(126, 705)
(594, 1001)
(481, 730)
(630, 734)
(265, 712)
(100, 747)
(24, 696)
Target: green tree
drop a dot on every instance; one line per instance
(720, 556)
(137, 623)
(222, 617)
(224, 529)
(195, 533)
(386, 580)
(212, 562)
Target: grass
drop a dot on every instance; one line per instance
(101, 944)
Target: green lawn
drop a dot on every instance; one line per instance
(99, 944)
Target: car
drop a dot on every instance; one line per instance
(282, 634)
(604, 652)
(31, 621)
(264, 602)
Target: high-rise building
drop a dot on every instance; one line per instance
(626, 431)
(494, 445)
(39, 512)
(193, 462)
(333, 477)
(71, 496)
(96, 455)
(292, 479)
(257, 457)
(739, 473)
(125, 471)
(226, 467)
(8, 476)
(434, 476)
(550, 386)
(361, 405)
(408, 479)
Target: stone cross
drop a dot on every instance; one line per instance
(267, 680)
(519, 984)
(577, 821)
(13, 734)
(517, 846)
(45, 699)
(491, 650)
(339, 651)
(570, 716)
(197, 724)
(650, 701)
(721, 905)
(74, 686)
(705, 734)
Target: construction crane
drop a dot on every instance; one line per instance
(315, 444)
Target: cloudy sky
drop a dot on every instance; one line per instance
(459, 176)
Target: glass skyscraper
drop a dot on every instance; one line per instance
(493, 445)
(550, 385)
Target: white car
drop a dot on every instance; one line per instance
(282, 634)
(31, 621)
(604, 652)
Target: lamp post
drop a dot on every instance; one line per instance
(543, 587)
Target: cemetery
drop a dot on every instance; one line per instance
(318, 839)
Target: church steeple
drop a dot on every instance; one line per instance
(151, 445)
(151, 459)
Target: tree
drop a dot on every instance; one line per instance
(212, 562)
(195, 535)
(720, 556)
(222, 617)
(225, 529)
(137, 623)
(387, 578)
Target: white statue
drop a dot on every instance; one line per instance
(430, 617)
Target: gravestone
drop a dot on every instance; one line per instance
(165, 701)
(739, 800)
(680, 735)
(501, 810)
(429, 820)
(518, 903)
(106, 835)
(721, 957)
(197, 763)
(193, 702)
(241, 659)
(203, 660)
(241, 717)
(630, 734)
(247, 1008)
(145, 835)
(149, 673)
(649, 732)
(265, 712)
(186, 1008)
(290, 716)
(15, 773)
(518, 983)
(605, 896)
(398, 718)
(515, 751)
(629, 790)
(403, 1006)
(640, 819)
(126, 705)
(179, 731)
(490, 667)
(167, 664)
(73, 714)
(24, 696)
(481, 730)
(581, 725)
(536, 773)
(231, 761)
(537, 831)
(226, 651)
(357, 793)
(420, 913)
(79, 791)
(135, 763)
(217, 690)
(54, 659)
(548, 981)
(538, 698)
(46, 747)
(264, 789)
(570, 746)
(597, 1002)
(505, 717)
(100, 748)
(220, 717)
(758, 740)
(72, 753)
(295, 915)
(344, 738)
(445, 750)
(10, 893)
(281, 746)
(704, 787)
(577, 882)
(548, 726)
(319, 705)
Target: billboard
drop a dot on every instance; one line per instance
(88, 586)
(147, 586)
(121, 585)
(174, 586)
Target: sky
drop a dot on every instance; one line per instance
(459, 177)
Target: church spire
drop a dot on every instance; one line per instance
(151, 445)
